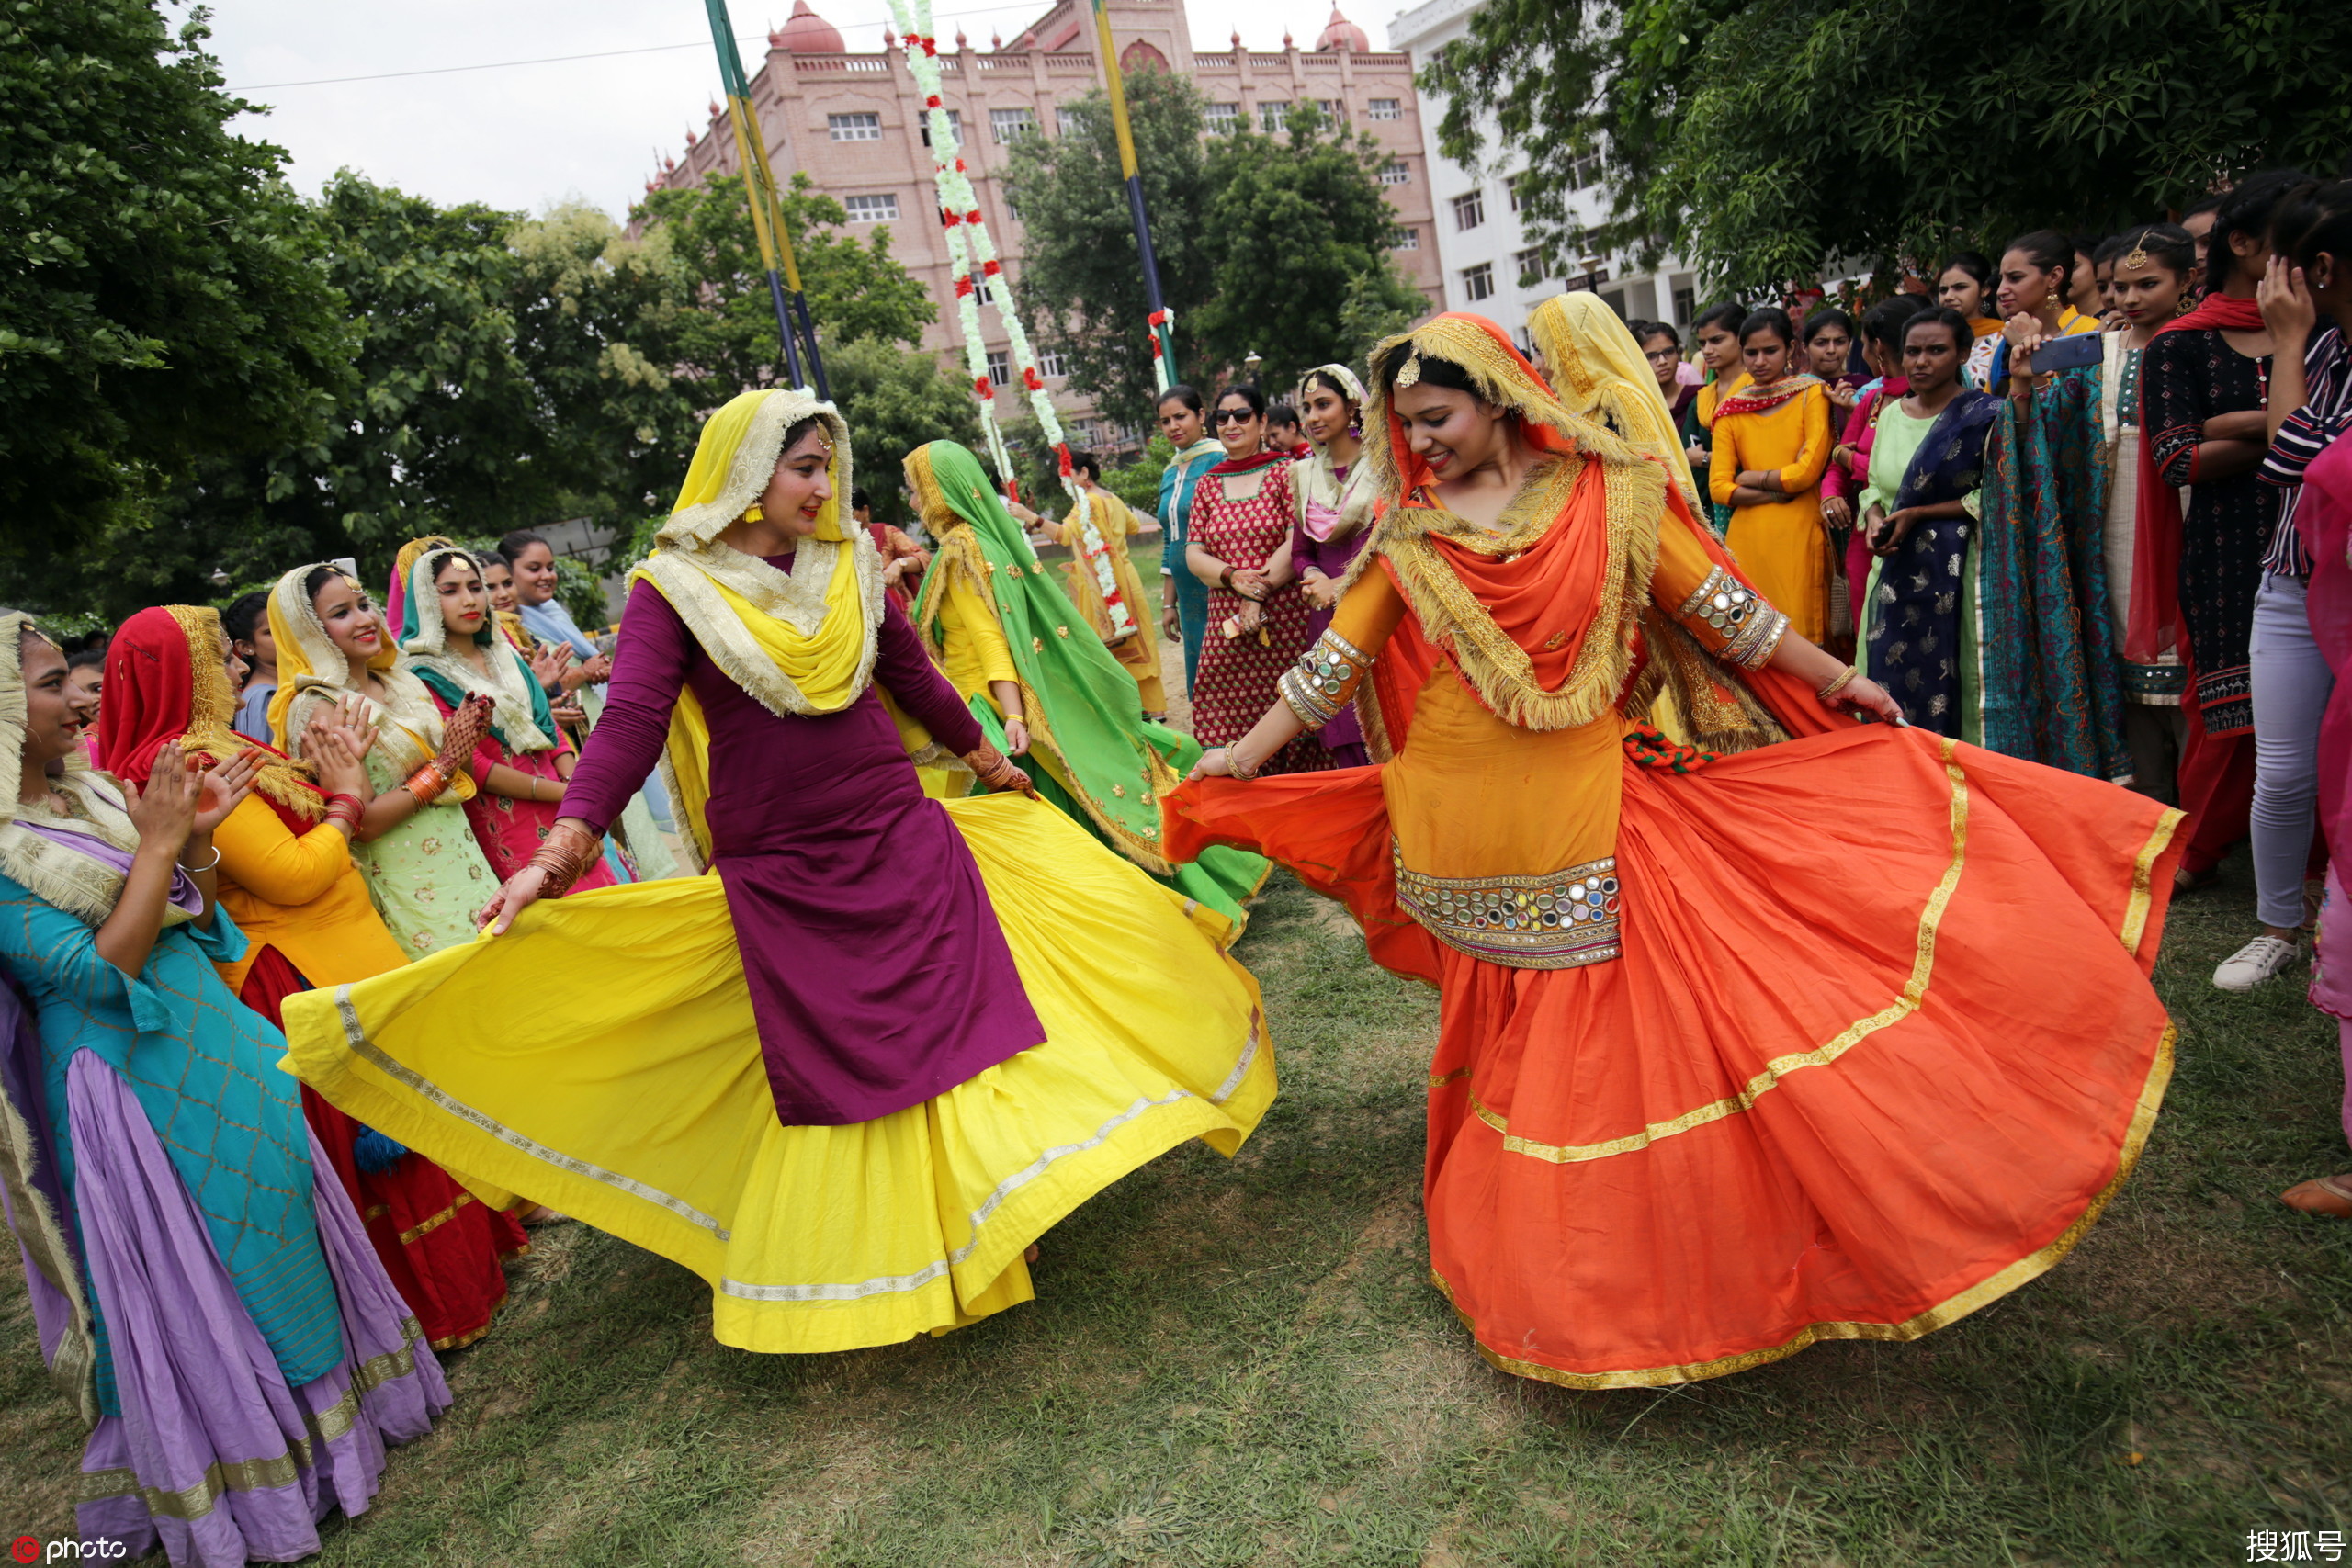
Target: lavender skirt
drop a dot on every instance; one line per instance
(214, 1457)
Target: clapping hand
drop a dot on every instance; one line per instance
(461, 735)
(223, 787)
(328, 748)
(164, 812)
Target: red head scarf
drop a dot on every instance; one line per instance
(166, 683)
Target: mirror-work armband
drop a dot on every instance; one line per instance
(1750, 628)
(1324, 680)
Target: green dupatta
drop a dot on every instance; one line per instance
(521, 717)
(1084, 714)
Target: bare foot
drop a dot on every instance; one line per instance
(1031, 1255)
(540, 1214)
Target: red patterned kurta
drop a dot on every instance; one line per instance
(1241, 519)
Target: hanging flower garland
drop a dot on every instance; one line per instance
(973, 262)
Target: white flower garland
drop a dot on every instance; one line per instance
(968, 242)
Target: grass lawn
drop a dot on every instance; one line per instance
(1240, 1363)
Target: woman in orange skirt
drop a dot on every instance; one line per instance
(1842, 1036)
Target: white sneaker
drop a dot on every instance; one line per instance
(2257, 961)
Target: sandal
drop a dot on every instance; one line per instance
(2324, 1195)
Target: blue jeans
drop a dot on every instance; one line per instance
(2291, 684)
(1192, 620)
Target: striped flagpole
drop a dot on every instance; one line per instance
(1162, 322)
(767, 212)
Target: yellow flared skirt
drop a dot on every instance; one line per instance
(602, 1057)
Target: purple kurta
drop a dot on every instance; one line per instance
(1343, 736)
(878, 973)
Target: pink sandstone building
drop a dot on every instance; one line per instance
(854, 124)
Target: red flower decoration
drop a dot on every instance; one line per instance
(991, 268)
(1029, 379)
(1159, 317)
(930, 45)
(932, 102)
(1062, 454)
(949, 220)
(973, 217)
(962, 287)
(981, 389)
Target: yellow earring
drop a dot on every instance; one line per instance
(753, 514)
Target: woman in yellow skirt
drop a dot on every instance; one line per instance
(850, 1074)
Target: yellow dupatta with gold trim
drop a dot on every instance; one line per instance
(799, 642)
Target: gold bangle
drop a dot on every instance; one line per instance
(1838, 683)
(563, 856)
(1235, 768)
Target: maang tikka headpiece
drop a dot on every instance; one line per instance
(1411, 371)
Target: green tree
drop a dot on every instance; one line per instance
(1277, 246)
(162, 299)
(895, 399)
(1299, 237)
(1762, 140)
(1138, 483)
(727, 339)
(1080, 277)
(597, 318)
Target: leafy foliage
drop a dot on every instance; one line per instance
(208, 379)
(856, 289)
(895, 399)
(161, 298)
(1761, 141)
(1301, 250)
(1215, 208)
(1081, 283)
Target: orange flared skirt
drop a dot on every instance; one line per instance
(1879, 1048)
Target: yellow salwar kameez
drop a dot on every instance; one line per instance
(626, 1053)
(1138, 653)
(636, 1101)
(1779, 544)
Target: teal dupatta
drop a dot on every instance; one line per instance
(2048, 670)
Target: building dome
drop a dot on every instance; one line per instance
(1339, 33)
(808, 33)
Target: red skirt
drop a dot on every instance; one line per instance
(1879, 1048)
(441, 1247)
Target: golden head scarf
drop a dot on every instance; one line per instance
(799, 642)
(79, 884)
(1450, 569)
(408, 726)
(1315, 482)
(69, 1347)
(1600, 371)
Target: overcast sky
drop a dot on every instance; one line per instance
(525, 136)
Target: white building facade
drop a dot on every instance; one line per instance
(1486, 260)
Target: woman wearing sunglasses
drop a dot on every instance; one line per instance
(1241, 516)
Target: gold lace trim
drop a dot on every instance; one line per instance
(959, 551)
(1942, 1315)
(797, 598)
(1498, 669)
